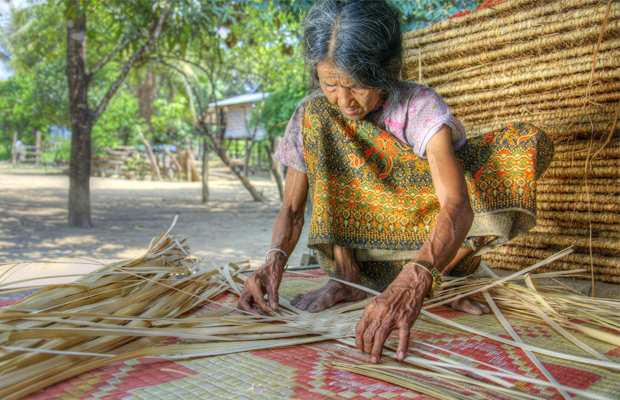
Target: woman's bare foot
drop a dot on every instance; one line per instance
(325, 297)
(346, 269)
(465, 304)
(470, 306)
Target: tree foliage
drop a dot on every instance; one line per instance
(172, 121)
(118, 124)
(256, 42)
(417, 14)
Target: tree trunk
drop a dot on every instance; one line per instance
(146, 95)
(14, 150)
(38, 150)
(82, 117)
(221, 152)
(246, 158)
(274, 171)
(205, 169)
(82, 121)
(188, 163)
(150, 155)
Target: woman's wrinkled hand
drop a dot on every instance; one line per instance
(266, 279)
(395, 309)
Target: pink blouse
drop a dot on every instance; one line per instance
(414, 122)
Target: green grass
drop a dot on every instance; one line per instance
(61, 153)
(5, 152)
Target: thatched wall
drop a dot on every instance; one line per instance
(555, 64)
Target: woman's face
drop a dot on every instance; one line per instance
(341, 91)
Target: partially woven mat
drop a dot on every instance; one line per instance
(300, 372)
(555, 64)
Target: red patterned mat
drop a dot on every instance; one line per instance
(300, 372)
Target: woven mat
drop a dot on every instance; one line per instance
(299, 373)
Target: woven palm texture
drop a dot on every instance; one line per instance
(555, 64)
(166, 326)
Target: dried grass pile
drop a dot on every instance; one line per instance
(555, 64)
(125, 310)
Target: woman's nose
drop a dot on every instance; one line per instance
(345, 100)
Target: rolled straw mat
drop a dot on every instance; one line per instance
(554, 64)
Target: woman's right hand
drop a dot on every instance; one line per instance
(286, 231)
(267, 280)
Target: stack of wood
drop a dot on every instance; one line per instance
(127, 162)
(115, 161)
(555, 64)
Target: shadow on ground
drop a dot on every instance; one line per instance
(126, 215)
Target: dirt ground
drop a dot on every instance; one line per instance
(127, 214)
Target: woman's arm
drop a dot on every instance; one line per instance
(286, 232)
(399, 306)
(456, 216)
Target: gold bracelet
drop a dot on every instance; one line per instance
(435, 274)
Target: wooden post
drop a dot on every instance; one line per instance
(246, 153)
(163, 164)
(205, 170)
(150, 155)
(177, 166)
(188, 162)
(14, 149)
(38, 150)
(258, 163)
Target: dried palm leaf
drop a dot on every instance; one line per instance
(123, 310)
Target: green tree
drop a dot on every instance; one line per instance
(35, 96)
(252, 46)
(18, 108)
(172, 121)
(117, 125)
(100, 42)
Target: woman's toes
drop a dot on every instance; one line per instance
(469, 306)
(296, 300)
(306, 300)
(485, 308)
(323, 302)
(316, 306)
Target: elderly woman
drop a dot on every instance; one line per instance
(399, 197)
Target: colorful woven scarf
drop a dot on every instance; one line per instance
(371, 192)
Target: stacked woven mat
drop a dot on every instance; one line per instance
(555, 64)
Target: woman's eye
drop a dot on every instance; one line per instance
(360, 91)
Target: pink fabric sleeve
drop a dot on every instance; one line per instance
(425, 114)
(291, 149)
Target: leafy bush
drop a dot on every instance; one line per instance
(280, 106)
(60, 153)
(5, 151)
(172, 120)
(117, 124)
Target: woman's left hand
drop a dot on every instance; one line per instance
(395, 309)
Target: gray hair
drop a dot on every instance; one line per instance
(361, 38)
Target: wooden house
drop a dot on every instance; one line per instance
(234, 116)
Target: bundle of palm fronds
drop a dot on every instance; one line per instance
(555, 64)
(123, 310)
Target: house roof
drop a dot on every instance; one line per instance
(242, 99)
